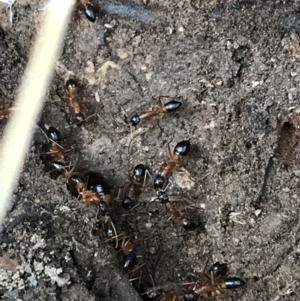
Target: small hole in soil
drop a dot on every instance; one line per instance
(287, 125)
(248, 145)
(255, 279)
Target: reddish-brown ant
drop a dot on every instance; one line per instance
(157, 109)
(89, 10)
(92, 189)
(71, 88)
(56, 150)
(135, 186)
(179, 217)
(218, 282)
(167, 168)
(171, 297)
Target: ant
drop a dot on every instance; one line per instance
(180, 217)
(56, 150)
(71, 88)
(88, 10)
(218, 282)
(167, 168)
(170, 297)
(135, 186)
(157, 109)
(127, 244)
(92, 189)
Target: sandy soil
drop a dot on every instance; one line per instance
(235, 67)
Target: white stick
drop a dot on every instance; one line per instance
(29, 103)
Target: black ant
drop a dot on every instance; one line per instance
(71, 88)
(218, 282)
(167, 168)
(135, 186)
(157, 109)
(88, 10)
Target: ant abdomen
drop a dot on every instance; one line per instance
(190, 296)
(129, 260)
(127, 202)
(53, 134)
(182, 148)
(234, 282)
(172, 106)
(89, 12)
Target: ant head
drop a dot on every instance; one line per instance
(159, 182)
(127, 202)
(89, 12)
(53, 134)
(163, 197)
(139, 170)
(129, 260)
(190, 296)
(71, 86)
(188, 225)
(103, 208)
(135, 120)
(79, 119)
(182, 148)
(219, 269)
(109, 229)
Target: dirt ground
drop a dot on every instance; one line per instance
(235, 67)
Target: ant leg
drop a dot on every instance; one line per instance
(147, 173)
(170, 153)
(155, 103)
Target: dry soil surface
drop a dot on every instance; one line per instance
(235, 66)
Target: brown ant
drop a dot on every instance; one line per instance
(92, 189)
(157, 109)
(218, 282)
(56, 150)
(71, 88)
(135, 186)
(167, 168)
(179, 217)
(126, 243)
(88, 10)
